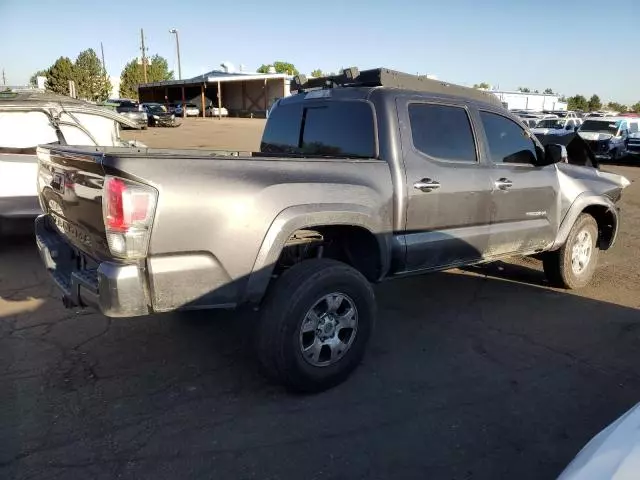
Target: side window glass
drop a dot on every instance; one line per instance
(442, 131)
(508, 142)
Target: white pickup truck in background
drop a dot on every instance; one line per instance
(29, 119)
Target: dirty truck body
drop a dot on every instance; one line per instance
(353, 184)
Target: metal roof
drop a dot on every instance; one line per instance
(37, 96)
(216, 76)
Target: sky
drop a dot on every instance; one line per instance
(572, 46)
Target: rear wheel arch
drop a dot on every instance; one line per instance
(351, 226)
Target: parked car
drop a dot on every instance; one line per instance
(213, 111)
(607, 137)
(134, 111)
(386, 176)
(29, 119)
(614, 453)
(633, 144)
(190, 109)
(157, 115)
(529, 122)
(556, 126)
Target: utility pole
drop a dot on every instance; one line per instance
(4, 79)
(104, 67)
(175, 31)
(144, 55)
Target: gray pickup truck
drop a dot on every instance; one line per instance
(360, 177)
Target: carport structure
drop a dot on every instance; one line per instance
(242, 94)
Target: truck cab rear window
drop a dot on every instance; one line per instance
(335, 129)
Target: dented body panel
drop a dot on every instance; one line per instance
(223, 219)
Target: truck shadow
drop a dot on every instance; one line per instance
(501, 377)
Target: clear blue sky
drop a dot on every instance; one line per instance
(572, 46)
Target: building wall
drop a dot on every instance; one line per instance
(531, 101)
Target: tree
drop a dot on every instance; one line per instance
(91, 79)
(577, 102)
(594, 103)
(524, 89)
(482, 85)
(132, 75)
(617, 107)
(548, 91)
(279, 67)
(59, 74)
(635, 108)
(33, 81)
(317, 73)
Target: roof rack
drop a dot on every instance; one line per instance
(384, 77)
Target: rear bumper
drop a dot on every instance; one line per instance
(161, 284)
(116, 290)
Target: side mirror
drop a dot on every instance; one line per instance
(554, 153)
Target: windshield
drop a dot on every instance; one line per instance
(550, 123)
(155, 108)
(599, 126)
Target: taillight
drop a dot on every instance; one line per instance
(128, 208)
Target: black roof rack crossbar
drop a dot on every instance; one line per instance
(384, 77)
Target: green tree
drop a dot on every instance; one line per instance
(133, 75)
(635, 107)
(33, 81)
(548, 91)
(279, 67)
(577, 102)
(617, 107)
(317, 73)
(524, 89)
(594, 103)
(91, 80)
(483, 85)
(59, 74)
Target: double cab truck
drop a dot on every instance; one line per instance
(361, 177)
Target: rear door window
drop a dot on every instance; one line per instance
(442, 131)
(335, 129)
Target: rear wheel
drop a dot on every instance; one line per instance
(573, 265)
(315, 325)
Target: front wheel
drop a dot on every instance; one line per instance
(573, 265)
(315, 325)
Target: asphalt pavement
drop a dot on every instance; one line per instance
(479, 374)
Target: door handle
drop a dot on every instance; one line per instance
(503, 184)
(426, 185)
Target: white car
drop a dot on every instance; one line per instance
(213, 111)
(555, 126)
(29, 119)
(614, 453)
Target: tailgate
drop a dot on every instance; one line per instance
(70, 189)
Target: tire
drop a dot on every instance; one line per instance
(281, 344)
(558, 265)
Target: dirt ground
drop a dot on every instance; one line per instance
(479, 374)
(226, 134)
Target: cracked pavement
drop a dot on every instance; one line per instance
(479, 374)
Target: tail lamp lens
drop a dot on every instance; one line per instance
(128, 210)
